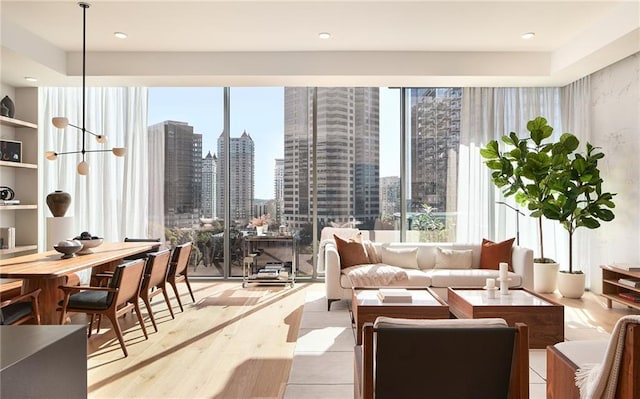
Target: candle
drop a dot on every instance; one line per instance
(503, 270)
(490, 284)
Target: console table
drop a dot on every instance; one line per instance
(611, 288)
(276, 251)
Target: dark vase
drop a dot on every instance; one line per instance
(7, 108)
(58, 202)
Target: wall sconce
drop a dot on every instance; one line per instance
(63, 122)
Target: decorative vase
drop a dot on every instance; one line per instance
(260, 230)
(58, 202)
(7, 107)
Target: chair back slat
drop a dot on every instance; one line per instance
(128, 281)
(156, 268)
(482, 355)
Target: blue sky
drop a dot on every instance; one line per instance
(259, 111)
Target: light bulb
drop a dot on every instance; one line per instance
(101, 139)
(83, 168)
(60, 122)
(51, 155)
(119, 151)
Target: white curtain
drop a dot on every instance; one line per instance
(112, 200)
(490, 113)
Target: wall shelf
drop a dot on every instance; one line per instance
(17, 207)
(18, 249)
(6, 121)
(19, 165)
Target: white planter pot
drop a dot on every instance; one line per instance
(571, 285)
(260, 230)
(545, 277)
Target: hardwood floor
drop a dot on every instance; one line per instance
(232, 343)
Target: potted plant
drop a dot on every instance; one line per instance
(578, 201)
(261, 224)
(524, 170)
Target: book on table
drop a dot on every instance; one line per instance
(630, 296)
(627, 266)
(394, 295)
(631, 282)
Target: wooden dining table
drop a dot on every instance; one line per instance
(47, 271)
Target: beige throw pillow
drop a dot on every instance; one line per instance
(453, 259)
(372, 253)
(407, 258)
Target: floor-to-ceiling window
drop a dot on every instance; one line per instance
(305, 158)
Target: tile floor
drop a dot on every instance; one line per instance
(323, 359)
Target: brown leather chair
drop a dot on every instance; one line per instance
(154, 282)
(179, 268)
(401, 358)
(20, 309)
(120, 297)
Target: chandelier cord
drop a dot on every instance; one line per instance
(84, 74)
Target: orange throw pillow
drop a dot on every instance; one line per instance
(351, 252)
(492, 253)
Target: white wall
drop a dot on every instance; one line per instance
(615, 126)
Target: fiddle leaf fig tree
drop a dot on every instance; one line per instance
(526, 166)
(579, 200)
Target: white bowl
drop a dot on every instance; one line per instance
(88, 244)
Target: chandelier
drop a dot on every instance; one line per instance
(62, 122)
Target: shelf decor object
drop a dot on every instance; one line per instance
(63, 122)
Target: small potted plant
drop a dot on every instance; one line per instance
(523, 170)
(261, 224)
(578, 201)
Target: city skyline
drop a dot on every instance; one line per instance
(259, 112)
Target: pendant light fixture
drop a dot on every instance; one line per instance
(62, 122)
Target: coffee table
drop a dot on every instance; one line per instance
(366, 307)
(544, 317)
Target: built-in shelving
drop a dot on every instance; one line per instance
(22, 177)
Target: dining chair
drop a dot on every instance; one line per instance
(179, 268)
(113, 301)
(20, 309)
(154, 281)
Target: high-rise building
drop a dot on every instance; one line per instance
(182, 170)
(435, 137)
(209, 170)
(389, 196)
(347, 155)
(278, 190)
(241, 175)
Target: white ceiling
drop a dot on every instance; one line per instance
(386, 43)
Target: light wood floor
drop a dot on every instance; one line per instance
(232, 343)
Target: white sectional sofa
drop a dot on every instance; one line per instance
(338, 284)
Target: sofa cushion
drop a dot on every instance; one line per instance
(351, 252)
(493, 253)
(407, 258)
(467, 278)
(453, 259)
(374, 275)
(415, 278)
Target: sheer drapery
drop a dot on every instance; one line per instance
(490, 113)
(111, 201)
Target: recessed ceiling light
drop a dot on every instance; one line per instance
(30, 79)
(120, 35)
(528, 35)
(324, 35)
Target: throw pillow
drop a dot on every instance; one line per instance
(351, 252)
(372, 253)
(453, 259)
(492, 253)
(407, 258)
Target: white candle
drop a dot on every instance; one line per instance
(491, 283)
(503, 270)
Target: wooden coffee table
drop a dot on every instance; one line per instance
(366, 307)
(545, 318)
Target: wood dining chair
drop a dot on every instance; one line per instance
(179, 268)
(113, 301)
(155, 281)
(142, 255)
(20, 309)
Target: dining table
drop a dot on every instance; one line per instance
(47, 271)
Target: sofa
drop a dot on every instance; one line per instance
(424, 272)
